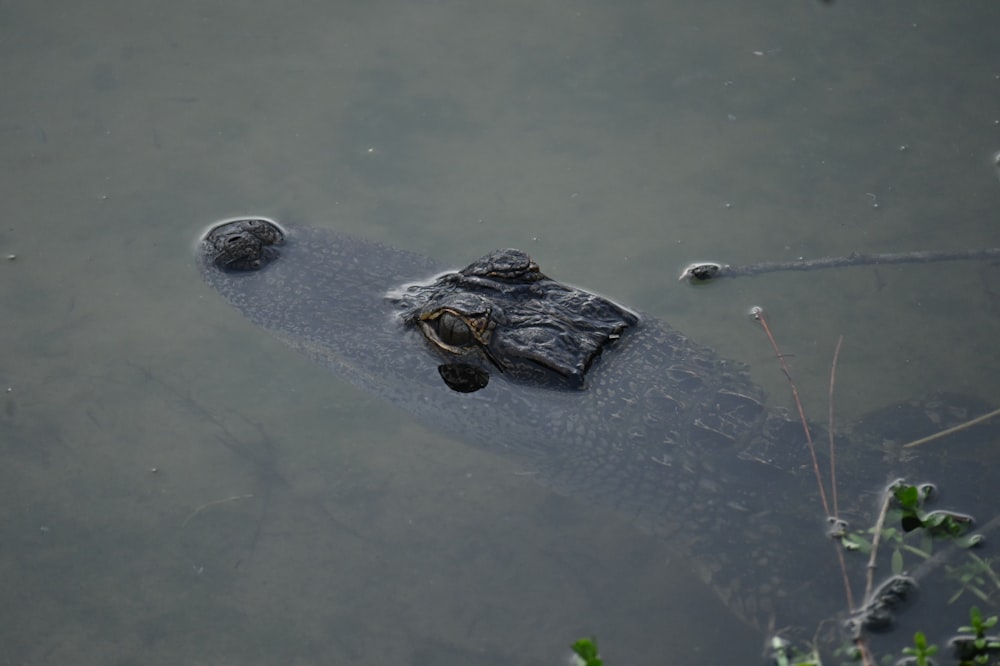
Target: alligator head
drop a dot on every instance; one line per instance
(501, 313)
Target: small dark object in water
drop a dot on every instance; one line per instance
(463, 377)
(703, 272)
(968, 647)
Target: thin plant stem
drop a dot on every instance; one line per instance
(829, 427)
(953, 429)
(758, 314)
(847, 583)
(986, 569)
(866, 655)
(876, 538)
(833, 468)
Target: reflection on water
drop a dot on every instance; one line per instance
(614, 144)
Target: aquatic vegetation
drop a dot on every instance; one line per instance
(585, 650)
(909, 530)
(921, 651)
(920, 541)
(973, 645)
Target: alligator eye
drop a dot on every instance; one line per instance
(453, 330)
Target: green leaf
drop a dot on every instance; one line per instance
(586, 649)
(970, 541)
(897, 561)
(947, 523)
(916, 551)
(855, 541)
(907, 496)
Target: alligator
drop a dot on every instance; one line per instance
(602, 402)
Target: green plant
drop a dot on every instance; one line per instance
(921, 651)
(784, 653)
(974, 646)
(975, 576)
(586, 650)
(915, 532)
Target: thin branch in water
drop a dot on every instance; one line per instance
(703, 272)
(829, 428)
(866, 656)
(833, 475)
(952, 430)
(847, 583)
(758, 314)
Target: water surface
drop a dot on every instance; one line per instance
(179, 488)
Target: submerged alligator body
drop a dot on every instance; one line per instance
(602, 403)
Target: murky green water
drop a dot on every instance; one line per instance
(176, 487)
